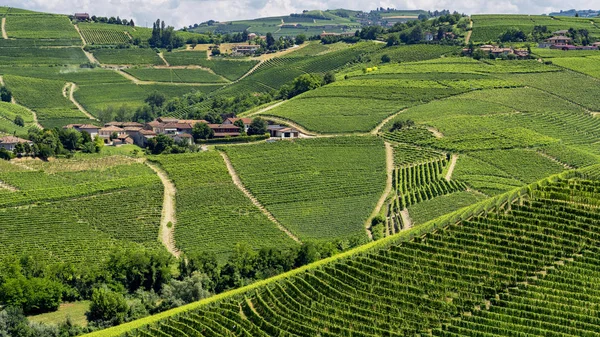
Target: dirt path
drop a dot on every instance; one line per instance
(451, 167)
(240, 185)
(162, 57)
(4, 35)
(166, 234)
(468, 37)
(79, 106)
(406, 220)
(389, 168)
(66, 89)
(6, 186)
(294, 125)
(265, 109)
(384, 122)
(436, 133)
(80, 35)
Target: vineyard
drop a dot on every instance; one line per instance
(213, 215)
(8, 113)
(129, 56)
(484, 273)
(41, 56)
(47, 27)
(96, 36)
(78, 211)
(175, 75)
(317, 188)
(46, 99)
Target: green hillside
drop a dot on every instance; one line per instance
(428, 186)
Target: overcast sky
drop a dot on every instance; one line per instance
(181, 13)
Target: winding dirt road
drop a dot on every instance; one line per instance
(384, 122)
(79, 106)
(4, 35)
(166, 234)
(406, 220)
(389, 168)
(238, 182)
(451, 167)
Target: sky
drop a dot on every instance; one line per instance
(180, 13)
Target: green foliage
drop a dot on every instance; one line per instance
(202, 131)
(107, 306)
(5, 95)
(257, 127)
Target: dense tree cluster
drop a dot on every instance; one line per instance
(164, 37)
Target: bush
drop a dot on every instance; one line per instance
(107, 307)
(385, 58)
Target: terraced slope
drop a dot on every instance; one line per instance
(469, 274)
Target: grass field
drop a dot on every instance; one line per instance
(74, 311)
(317, 188)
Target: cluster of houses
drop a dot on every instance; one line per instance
(180, 130)
(560, 40)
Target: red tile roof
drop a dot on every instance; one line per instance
(13, 140)
(111, 128)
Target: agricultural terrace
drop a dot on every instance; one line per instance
(175, 75)
(25, 56)
(8, 113)
(55, 28)
(127, 56)
(105, 34)
(322, 188)
(213, 215)
(515, 258)
(46, 99)
(490, 27)
(78, 210)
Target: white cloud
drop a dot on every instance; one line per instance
(184, 12)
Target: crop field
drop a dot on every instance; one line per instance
(41, 56)
(405, 154)
(558, 53)
(8, 113)
(46, 99)
(75, 74)
(175, 75)
(357, 105)
(130, 56)
(51, 27)
(80, 212)
(411, 53)
(588, 65)
(128, 94)
(95, 36)
(428, 210)
(317, 188)
(213, 215)
(424, 282)
(185, 58)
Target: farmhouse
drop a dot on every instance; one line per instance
(10, 142)
(252, 36)
(225, 130)
(107, 132)
(246, 121)
(245, 49)
(82, 16)
(428, 36)
(89, 128)
(559, 40)
(282, 132)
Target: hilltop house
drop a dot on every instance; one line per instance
(82, 16)
(10, 142)
(559, 40)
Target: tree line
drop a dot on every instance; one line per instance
(135, 282)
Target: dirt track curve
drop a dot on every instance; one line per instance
(166, 234)
(238, 182)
